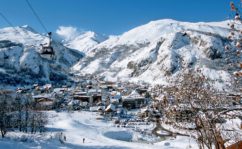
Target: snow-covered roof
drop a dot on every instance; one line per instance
(94, 91)
(47, 86)
(134, 95)
(96, 108)
(49, 96)
(143, 110)
(110, 107)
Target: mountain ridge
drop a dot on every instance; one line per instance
(22, 61)
(159, 51)
(154, 53)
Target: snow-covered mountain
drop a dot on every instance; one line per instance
(75, 39)
(21, 61)
(158, 51)
(155, 53)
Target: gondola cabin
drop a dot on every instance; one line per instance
(47, 50)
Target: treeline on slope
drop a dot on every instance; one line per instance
(20, 114)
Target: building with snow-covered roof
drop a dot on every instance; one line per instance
(44, 102)
(92, 96)
(110, 108)
(134, 100)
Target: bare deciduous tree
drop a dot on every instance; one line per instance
(197, 103)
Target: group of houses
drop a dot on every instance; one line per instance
(93, 95)
(103, 96)
(110, 97)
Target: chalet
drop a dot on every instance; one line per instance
(110, 108)
(115, 97)
(43, 102)
(36, 89)
(141, 90)
(24, 90)
(82, 98)
(48, 88)
(92, 96)
(60, 90)
(145, 112)
(133, 103)
(134, 100)
(79, 93)
(7, 94)
(95, 99)
(95, 96)
(97, 108)
(107, 85)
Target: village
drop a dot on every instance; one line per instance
(109, 99)
(139, 107)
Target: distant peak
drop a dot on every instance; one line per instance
(29, 28)
(165, 20)
(26, 26)
(91, 33)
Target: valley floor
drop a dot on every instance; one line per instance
(72, 127)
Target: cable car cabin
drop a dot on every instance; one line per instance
(47, 49)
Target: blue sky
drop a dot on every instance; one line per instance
(110, 16)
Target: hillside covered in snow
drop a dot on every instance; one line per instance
(154, 53)
(22, 61)
(160, 50)
(81, 95)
